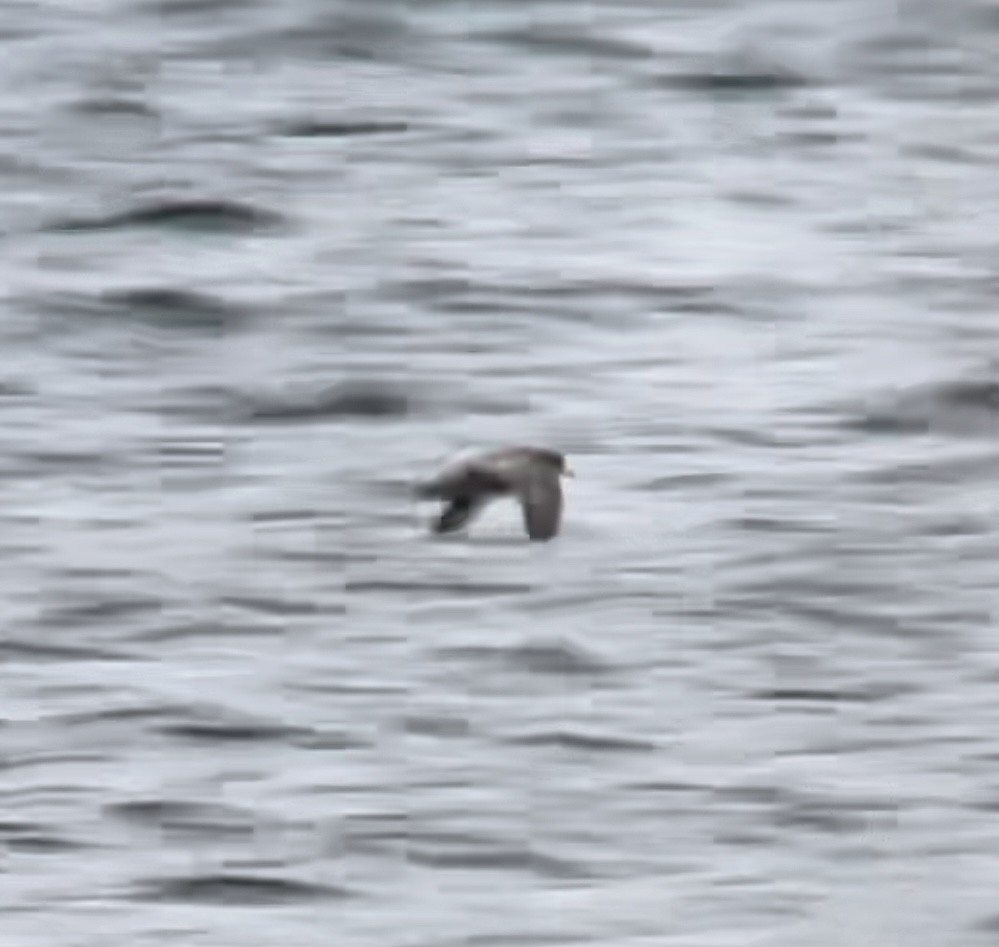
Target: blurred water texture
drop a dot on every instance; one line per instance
(265, 264)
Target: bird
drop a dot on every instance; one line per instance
(531, 474)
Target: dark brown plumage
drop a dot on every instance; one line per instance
(531, 474)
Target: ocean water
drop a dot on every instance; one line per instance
(266, 265)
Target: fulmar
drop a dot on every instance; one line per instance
(531, 474)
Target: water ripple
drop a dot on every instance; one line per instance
(173, 308)
(966, 408)
(244, 307)
(190, 214)
(327, 128)
(367, 399)
(33, 650)
(437, 851)
(235, 889)
(585, 742)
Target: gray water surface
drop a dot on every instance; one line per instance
(264, 265)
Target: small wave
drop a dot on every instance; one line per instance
(173, 815)
(197, 7)
(432, 725)
(829, 812)
(817, 816)
(116, 713)
(773, 524)
(364, 32)
(190, 452)
(234, 888)
(555, 658)
(14, 826)
(270, 606)
(667, 786)
(736, 73)
(94, 573)
(957, 408)
(209, 725)
(687, 481)
(493, 858)
(449, 588)
(172, 308)
(719, 82)
(570, 41)
(54, 459)
(231, 731)
(287, 515)
(99, 612)
(10, 388)
(814, 695)
(587, 742)
(198, 402)
(157, 307)
(318, 128)
(210, 631)
(36, 838)
(205, 215)
(493, 407)
(971, 394)
(325, 557)
(39, 759)
(13, 650)
(937, 470)
(114, 106)
(350, 399)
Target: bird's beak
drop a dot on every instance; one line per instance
(567, 471)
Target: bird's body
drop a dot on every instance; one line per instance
(531, 474)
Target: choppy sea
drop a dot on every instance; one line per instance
(264, 265)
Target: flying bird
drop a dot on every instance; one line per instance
(530, 474)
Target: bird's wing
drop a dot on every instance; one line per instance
(466, 478)
(456, 514)
(540, 496)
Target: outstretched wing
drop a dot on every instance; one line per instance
(541, 498)
(463, 480)
(456, 514)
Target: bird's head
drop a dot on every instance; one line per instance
(559, 461)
